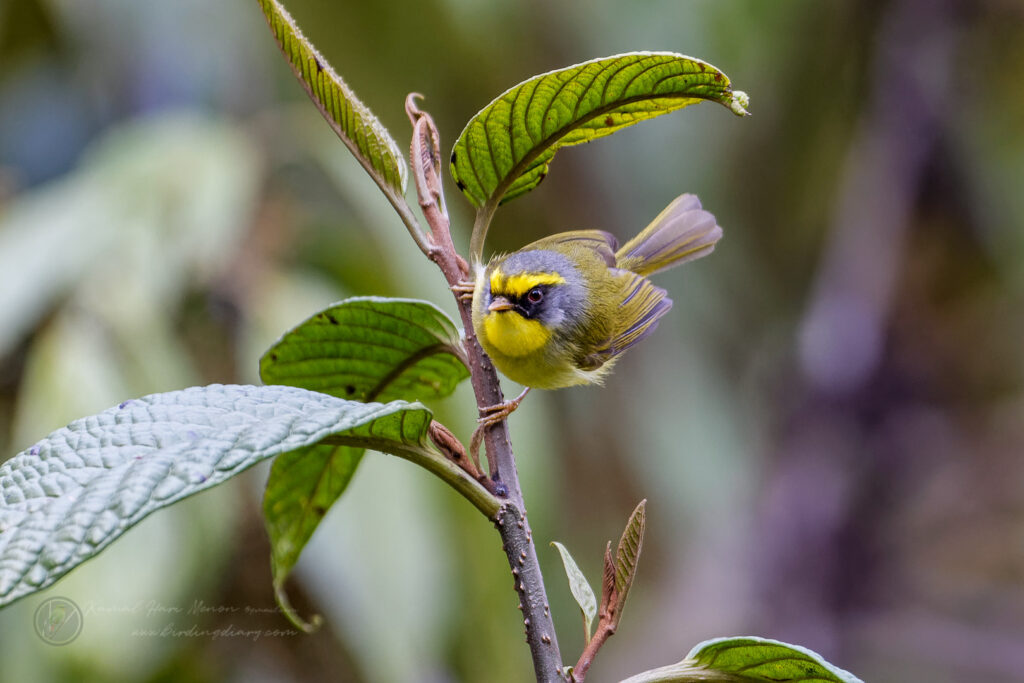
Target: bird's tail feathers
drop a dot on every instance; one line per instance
(682, 232)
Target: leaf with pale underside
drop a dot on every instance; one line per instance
(505, 150)
(355, 124)
(580, 589)
(70, 495)
(369, 349)
(747, 660)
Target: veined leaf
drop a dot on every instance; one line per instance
(302, 487)
(364, 349)
(580, 589)
(369, 349)
(352, 120)
(505, 150)
(70, 495)
(628, 554)
(742, 660)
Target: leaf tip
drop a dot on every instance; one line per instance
(412, 110)
(739, 103)
(311, 626)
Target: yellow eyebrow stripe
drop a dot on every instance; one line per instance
(521, 283)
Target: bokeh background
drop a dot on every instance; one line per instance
(828, 426)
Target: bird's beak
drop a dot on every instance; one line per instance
(500, 303)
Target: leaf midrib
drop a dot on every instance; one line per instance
(406, 363)
(520, 167)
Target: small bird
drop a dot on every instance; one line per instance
(560, 311)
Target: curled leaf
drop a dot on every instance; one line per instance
(628, 554)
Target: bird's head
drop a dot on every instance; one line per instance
(528, 296)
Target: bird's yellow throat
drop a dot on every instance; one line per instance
(509, 332)
(514, 335)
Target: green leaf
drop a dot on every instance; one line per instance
(747, 659)
(70, 495)
(355, 124)
(363, 349)
(580, 589)
(370, 349)
(302, 487)
(628, 554)
(505, 150)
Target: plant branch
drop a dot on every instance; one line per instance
(517, 542)
(608, 619)
(604, 630)
(511, 521)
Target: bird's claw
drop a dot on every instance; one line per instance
(492, 415)
(464, 290)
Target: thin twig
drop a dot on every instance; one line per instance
(604, 631)
(608, 618)
(517, 538)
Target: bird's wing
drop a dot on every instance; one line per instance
(639, 310)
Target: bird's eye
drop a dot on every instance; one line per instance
(535, 295)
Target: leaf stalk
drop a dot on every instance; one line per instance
(481, 223)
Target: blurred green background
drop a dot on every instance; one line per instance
(828, 426)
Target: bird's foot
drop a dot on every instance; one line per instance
(464, 290)
(490, 416)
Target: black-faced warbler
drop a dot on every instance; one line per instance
(560, 311)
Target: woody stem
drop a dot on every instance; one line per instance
(511, 521)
